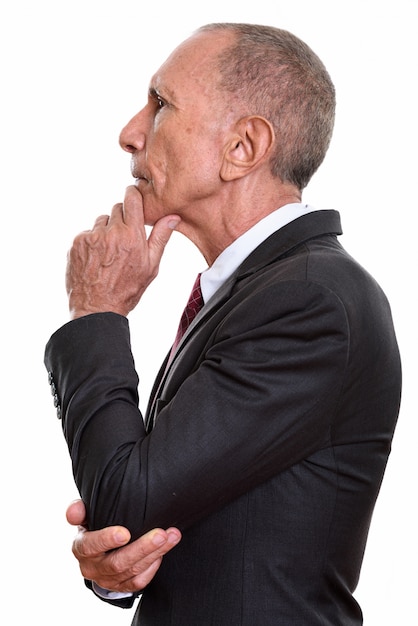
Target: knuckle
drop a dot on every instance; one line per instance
(118, 566)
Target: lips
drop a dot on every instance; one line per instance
(136, 172)
(139, 176)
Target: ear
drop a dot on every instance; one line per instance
(250, 145)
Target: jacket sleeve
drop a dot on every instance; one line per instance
(262, 398)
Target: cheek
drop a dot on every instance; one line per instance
(157, 166)
(184, 170)
(167, 156)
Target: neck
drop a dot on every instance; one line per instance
(218, 228)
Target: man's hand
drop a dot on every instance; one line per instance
(110, 266)
(128, 569)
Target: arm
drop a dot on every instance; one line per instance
(262, 399)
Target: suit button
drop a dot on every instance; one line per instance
(57, 405)
(54, 393)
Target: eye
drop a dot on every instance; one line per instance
(160, 102)
(157, 101)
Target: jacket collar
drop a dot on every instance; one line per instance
(280, 243)
(290, 236)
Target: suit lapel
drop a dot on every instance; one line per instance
(169, 366)
(279, 244)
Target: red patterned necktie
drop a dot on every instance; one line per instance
(192, 308)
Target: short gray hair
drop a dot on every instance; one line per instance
(279, 77)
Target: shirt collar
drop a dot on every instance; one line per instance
(232, 257)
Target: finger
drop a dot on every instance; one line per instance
(133, 208)
(116, 215)
(76, 513)
(156, 542)
(94, 543)
(139, 555)
(140, 581)
(101, 221)
(159, 237)
(138, 562)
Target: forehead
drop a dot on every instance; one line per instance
(192, 65)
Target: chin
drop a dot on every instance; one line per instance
(149, 220)
(153, 209)
(151, 215)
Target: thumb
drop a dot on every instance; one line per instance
(160, 235)
(76, 513)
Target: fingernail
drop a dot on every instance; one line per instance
(173, 537)
(158, 539)
(122, 537)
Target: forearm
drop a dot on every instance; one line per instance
(95, 378)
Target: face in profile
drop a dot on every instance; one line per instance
(177, 140)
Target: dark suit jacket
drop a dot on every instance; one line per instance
(268, 436)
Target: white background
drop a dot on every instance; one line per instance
(72, 74)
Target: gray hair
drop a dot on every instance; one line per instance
(280, 78)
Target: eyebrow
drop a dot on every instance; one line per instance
(153, 92)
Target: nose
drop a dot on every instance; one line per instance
(132, 137)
